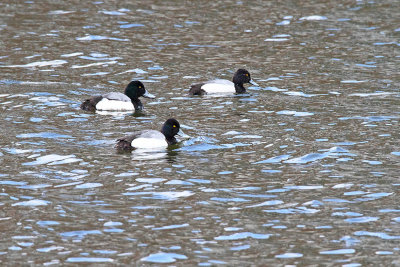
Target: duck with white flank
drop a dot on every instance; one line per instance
(151, 139)
(224, 87)
(114, 101)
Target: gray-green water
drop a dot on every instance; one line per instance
(303, 170)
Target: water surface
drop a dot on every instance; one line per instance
(302, 170)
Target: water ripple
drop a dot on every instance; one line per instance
(243, 235)
(52, 63)
(53, 159)
(338, 251)
(289, 255)
(377, 234)
(32, 203)
(80, 234)
(163, 257)
(89, 259)
(99, 38)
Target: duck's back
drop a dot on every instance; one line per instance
(221, 81)
(117, 96)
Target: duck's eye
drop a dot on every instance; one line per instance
(247, 74)
(174, 126)
(140, 86)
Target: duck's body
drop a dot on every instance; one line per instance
(224, 87)
(219, 86)
(114, 101)
(149, 139)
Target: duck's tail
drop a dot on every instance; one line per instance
(196, 89)
(123, 145)
(86, 105)
(90, 104)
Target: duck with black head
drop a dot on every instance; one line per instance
(152, 139)
(114, 101)
(224, 87)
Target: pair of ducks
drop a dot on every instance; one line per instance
(129, 101)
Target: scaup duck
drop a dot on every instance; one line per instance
(118, 101)
(150, 139)
(220, 86)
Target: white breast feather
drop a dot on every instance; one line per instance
(143, 142)
(106, 104)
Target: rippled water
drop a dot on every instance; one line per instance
(303, 170)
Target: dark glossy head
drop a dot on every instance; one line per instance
(135, 89)
(241, 76)
(170, 128)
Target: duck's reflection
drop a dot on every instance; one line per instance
(169, 154)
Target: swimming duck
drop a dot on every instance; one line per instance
(148, 139)
(220, 86)
(115, 101)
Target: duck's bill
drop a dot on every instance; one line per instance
(253, 83)
(182, 134)
(148, 95)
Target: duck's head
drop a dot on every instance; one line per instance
(171, 128)
(135, 89)
(242, 76)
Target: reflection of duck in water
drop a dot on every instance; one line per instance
(220, 86)
(115, 101)
(168, 154)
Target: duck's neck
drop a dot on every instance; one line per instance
(171, 140)
(239, 88)
(137, 104)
